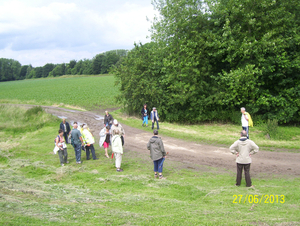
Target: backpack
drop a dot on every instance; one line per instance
(55, 139)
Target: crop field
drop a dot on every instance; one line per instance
(36, 190)
(86, 92)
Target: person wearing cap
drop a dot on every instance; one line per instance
(145, 113)
(157, 153)
(118, 127)
(89, 141)
(154, 117)
(243, 149)
(65, 126)
(108, 119)
(117, 149)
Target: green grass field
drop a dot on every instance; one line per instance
(36, 190)
(88, 92)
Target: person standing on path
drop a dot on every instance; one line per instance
(243, 149)
(105, 139)
(157, 153)
(77, 141)
(108, 119)
(154, 117)
(117, 149)
(246, 121)
(62, 151)
(118, 127)
(65, 127)
(89, 141)
(145, 113)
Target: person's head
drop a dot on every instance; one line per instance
(107, 128)
(244, 133)
(115, 122)
(155, 132)
(64, 120)
(106, 112)
(75, 125)
(154, 109)
(61, 132)
(243, 110)
(145, 106)
(85, 127)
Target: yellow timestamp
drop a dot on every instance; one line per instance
(258, 199)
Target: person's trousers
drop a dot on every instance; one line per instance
(145, 120)
(66, 136)
(87, 149)
(63, 156)
(158, 165)
(118, 157)
(156, 124)
(246, 128)
(246, 168)
(77, 148)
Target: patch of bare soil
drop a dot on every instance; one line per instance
(190, 154)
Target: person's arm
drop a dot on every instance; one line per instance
(233, 148)
(162, 148)
(148, 145)
(246, 117)
(255, 148)
(157, 115)
(57, 141)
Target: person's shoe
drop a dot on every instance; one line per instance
(143, 125)
(161, 177)
(155, 175)
(106, 156)
(62, 164)
(67, 162)
(88, 159)
(78, 162)
(95, 158)
(237, 185)
(147, 125)
(120, 170)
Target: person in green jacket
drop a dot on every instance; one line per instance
(157, 153)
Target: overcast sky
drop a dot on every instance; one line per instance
(56, 31)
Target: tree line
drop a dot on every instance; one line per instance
(209, 58)
(12, 69)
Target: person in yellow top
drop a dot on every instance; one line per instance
(246, 121)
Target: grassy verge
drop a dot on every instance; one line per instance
(35, 190)
(221, 134)
(85, 91)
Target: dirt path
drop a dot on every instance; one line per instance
(190, 154)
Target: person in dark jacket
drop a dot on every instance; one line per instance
(145, 114)
(64, 126)
(157, 153)
(108, 119)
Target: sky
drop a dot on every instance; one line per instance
(37, 32)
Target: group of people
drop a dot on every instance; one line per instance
(113, 134)
(153, 116)
(81, 138)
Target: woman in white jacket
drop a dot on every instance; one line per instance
(117, 149)
(105, 139)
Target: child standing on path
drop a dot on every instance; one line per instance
(157, 153)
